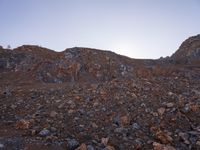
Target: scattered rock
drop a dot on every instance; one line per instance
(184, 137)
(135, 126)
(72, 144)
(109, 148)
(163, 137)
(23, 124)
(169, 105)
(90, 147)
(53, 114)
(82, 147)
(44, 132)
(158, 146)
(104, 141)
(161, 111)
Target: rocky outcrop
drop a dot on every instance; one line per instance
(188, 52)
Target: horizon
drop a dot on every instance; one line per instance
(136, 29)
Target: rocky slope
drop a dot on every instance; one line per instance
(189, 51)
(88, 99)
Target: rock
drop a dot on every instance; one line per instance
(135, 126)
(161, 111)
(125, 120)
(33, 132)
(104, 141)
(169, 105)
(116, 120)
(170, 93)
(198, 143)
(82, 147)
(186, 108)
(1, 145)
(158, 146)
(90, 147)
(120, 130)
(184, 137)
(53, 114)
(44, 132)
(163, 137)
(23, 124)
(72, 144)
(121, 121)
(94, 125)
(109, 148)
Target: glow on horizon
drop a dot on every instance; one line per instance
(134, 28)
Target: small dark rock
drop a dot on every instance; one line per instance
(72, 144)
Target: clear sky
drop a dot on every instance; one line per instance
(135, 28)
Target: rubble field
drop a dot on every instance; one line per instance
(88, 99)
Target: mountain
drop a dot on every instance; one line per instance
(89, 99)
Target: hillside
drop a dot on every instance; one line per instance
(89, 99)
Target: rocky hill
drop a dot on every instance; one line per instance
(89, 99)
(189, 51)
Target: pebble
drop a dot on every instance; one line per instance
(169, 105)
(161, 111)
(104, 141)
(72, 144)
(158, 146)
(184, 137)
(44, 132)
(135, 126)
(1, 145)
(82, 147)
(53, 114)
(90, 147)
(198, 143)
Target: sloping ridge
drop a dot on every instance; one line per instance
(38, 64)
(189, 51)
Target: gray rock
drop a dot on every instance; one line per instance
(72, 144)
(116, 121)
(90, 147)
(1, 145)
(135, 126)
(44, 132)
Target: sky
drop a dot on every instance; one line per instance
(134, 28)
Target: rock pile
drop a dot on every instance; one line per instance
(86, 99)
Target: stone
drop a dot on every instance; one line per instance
(1, 145)
(163, 137)
(184, 137)
(169, 105)
(161, 111)
(109, 148)
(135, 126)
(72, 144)
(116, 120)
(90, 147)
(104, 141)
(23, 124)
(158, 146)
(94, 125)
(53, 114)
(125, 120)
(198, 143)
(44, 132)
(82, 147)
